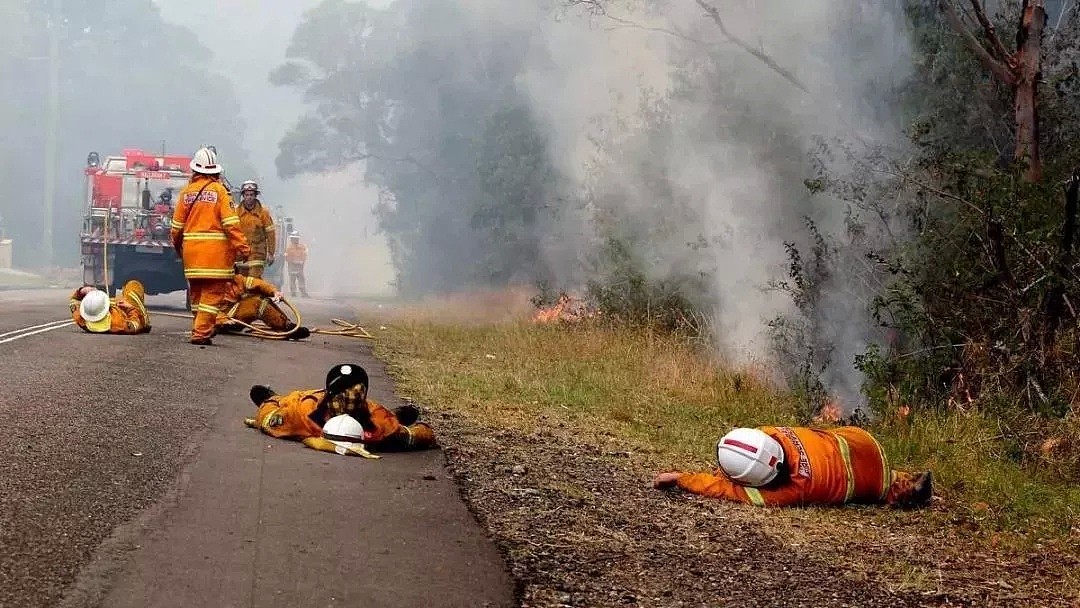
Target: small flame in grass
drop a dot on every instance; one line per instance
(830, 412)
(567, 308)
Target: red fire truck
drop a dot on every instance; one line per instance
(125, 233)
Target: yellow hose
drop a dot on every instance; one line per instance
(349, 330)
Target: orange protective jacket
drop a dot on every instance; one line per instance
(242, 286)
(133, 321)
(248, 299)
(289, 417)
(206, 231)
(827, 467)
(296, 255)
(258, 229)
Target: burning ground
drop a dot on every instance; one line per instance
(555, 430)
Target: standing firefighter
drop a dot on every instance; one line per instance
(206, 233)
(296, 256)
(258, 228)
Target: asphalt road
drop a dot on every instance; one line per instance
(129, 479)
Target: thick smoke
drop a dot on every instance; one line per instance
(735, 153)
(637, 100)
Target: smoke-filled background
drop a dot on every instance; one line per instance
(653, 153)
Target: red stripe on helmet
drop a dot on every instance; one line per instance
(739, 444)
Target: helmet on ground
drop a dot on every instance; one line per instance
(345, 376)
(749, 456)
(205, 162)
(94, 309)
(343, 430)
(249, 186)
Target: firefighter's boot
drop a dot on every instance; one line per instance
(407, 415)
(260, 393)
(300, 333)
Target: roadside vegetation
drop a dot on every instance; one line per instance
(664, 395)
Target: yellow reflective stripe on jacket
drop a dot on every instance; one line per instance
(845, 452)
(263, 304)
(207, 308)
(209, 273)
(232, 311)
(229, 220)
(249, 283)
(175, 225)
(269, 228)
(755, 496)
(205, 236)
(886, 470)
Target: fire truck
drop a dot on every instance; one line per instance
(125, 232)
(125, 235)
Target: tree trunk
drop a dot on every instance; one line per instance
(1028, 70)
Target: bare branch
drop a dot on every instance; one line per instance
(991, 33)
(634, 25)
(997, 68)
(715, 16)
(929, 188)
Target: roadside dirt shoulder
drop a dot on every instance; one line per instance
(580, 527)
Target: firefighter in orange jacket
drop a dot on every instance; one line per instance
(300, 415)
(92, 310)
(250, 299)
(206, 233)
(295, 258)
(258, 228)
(788, 466)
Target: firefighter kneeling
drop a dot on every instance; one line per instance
(306, 416)
(94, 312)
(787, 466)
(249, 299)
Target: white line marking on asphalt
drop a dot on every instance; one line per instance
(37, 329)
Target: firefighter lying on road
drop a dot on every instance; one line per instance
(787, 466)
(92, 310)
(249, 299)
(301, 415)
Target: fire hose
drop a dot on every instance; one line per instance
(347, 329)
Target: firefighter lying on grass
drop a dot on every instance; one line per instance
(249, 299)
(306, 416)
(93, 311)
(787, 466)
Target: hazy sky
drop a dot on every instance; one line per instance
(248, 39)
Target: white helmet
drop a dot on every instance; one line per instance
(205, 161)
(344, 431)
(749, 456)
(94, 309)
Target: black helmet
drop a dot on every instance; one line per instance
(345, 376)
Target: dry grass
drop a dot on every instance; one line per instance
(655, 392)
(665, 401)
(638, 391)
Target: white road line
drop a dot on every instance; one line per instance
(22, 329)
(24, 332)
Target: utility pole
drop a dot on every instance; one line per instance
(51, 126)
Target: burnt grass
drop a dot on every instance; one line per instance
(580, 525)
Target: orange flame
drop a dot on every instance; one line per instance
(829, 413)
(565, 309)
